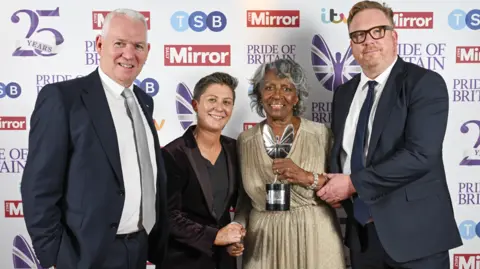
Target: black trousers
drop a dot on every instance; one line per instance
(375, 257)
(127, 252)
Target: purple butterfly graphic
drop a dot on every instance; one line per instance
(332, 72)
(23, 255)
(183, 103)
(464, 129)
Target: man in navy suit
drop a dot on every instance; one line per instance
(94, 162)
(386, 164)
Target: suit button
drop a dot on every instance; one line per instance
(114, 225)
(121, 193)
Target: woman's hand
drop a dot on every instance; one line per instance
(232, 233)
(235, 250)
(294, 174)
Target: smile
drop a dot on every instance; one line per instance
(277, 106)
(216, 117)
(129, 66)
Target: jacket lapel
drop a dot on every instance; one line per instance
(386, 103)
(230, 154)
(344, 101)
(97, 106)
(146, 111)
(201, 172)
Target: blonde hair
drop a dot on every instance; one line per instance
(360, 6)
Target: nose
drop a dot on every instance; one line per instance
(277, 93)
(129, 52)
(219, 106)
(368, 39)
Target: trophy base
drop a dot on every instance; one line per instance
(278, 197)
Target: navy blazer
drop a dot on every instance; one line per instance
(72, 186)
(404, 180)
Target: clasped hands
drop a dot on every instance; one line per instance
(338, 187)
(231, 236)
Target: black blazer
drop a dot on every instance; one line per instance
(72, 186)
(193, 222)
(404, 181)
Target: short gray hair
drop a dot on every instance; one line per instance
(132, 14)
(283, 68)
(214, 78)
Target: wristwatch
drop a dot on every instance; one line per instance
(315, 182)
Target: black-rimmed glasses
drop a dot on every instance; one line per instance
(377, 32)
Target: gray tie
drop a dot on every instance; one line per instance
(144, 161)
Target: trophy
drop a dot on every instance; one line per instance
(278, 194)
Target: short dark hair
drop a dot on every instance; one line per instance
(214, 78)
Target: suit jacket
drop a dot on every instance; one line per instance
(72, 186)
(404, 180)
(193, 223)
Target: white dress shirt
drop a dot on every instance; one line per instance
(354, 113)
(130, 220)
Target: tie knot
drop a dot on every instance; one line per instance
(372, 84)
(127, 93)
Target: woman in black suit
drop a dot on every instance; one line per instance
(203, 177)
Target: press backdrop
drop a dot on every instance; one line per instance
(49, 41)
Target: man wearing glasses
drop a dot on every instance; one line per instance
(386, 163)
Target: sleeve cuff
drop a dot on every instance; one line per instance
(210, 235)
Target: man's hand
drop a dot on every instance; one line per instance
(338, 188)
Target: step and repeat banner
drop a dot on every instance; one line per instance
(50, 41)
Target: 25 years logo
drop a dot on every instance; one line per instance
(38, 41)
(473, 155)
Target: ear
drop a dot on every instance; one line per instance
(98, 43)
(395, 37)
(195, 105)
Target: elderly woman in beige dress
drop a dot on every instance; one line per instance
(308, 235)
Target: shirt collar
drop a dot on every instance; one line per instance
(110, 85)
(381, 79)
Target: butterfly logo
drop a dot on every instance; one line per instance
(23, 255)
(331, 71)
(183, 102)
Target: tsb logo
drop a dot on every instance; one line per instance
(148, 85)
(458, 19)
(12, 90)
(198, 21)
(469, 229)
